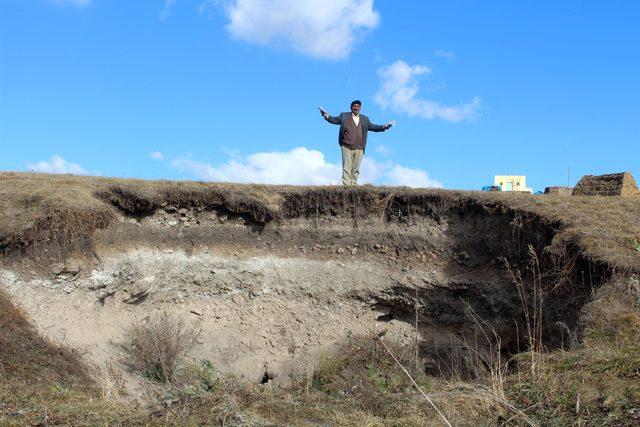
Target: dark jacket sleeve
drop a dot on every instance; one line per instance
(337, 120)
(376, 128)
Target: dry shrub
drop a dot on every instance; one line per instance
(157, 345)
(114, 383)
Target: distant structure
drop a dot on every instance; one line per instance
(512, 183)
(559, 191)
(613, 184)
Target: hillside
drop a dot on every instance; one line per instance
(508, 308)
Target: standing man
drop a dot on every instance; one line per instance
(352, 137)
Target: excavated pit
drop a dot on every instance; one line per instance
(271, 292)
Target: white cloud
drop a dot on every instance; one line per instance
(80, 3)
(400, 175)
(166, 9)
(318, 28)
(300, 166)
(390, 173)
(156, 155)
(57, 164)
(445, 54)
(399, 91)
(382, 149)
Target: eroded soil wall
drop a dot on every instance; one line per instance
(272, 288)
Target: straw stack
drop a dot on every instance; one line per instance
(613, 184)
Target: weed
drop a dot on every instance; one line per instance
(531, 296)
(114, 382)
(157, 346)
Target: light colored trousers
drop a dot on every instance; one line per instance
(351, 160)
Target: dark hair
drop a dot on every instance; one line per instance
(357, 101)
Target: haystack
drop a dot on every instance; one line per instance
(559, 191)
(614, 184)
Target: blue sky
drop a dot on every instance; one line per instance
(227, 90)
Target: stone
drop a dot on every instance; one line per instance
(137, 296)
(104, 294)
(94, 286)
(57, 268)
(464, 256)
(72, 266)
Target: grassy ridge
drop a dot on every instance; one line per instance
(41, 207)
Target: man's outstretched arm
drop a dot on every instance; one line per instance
(331, 119)
(378, 128)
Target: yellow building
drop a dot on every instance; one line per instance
(512, 183)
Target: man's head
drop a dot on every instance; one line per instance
(355, 107)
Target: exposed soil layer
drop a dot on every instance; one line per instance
(272, 284)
